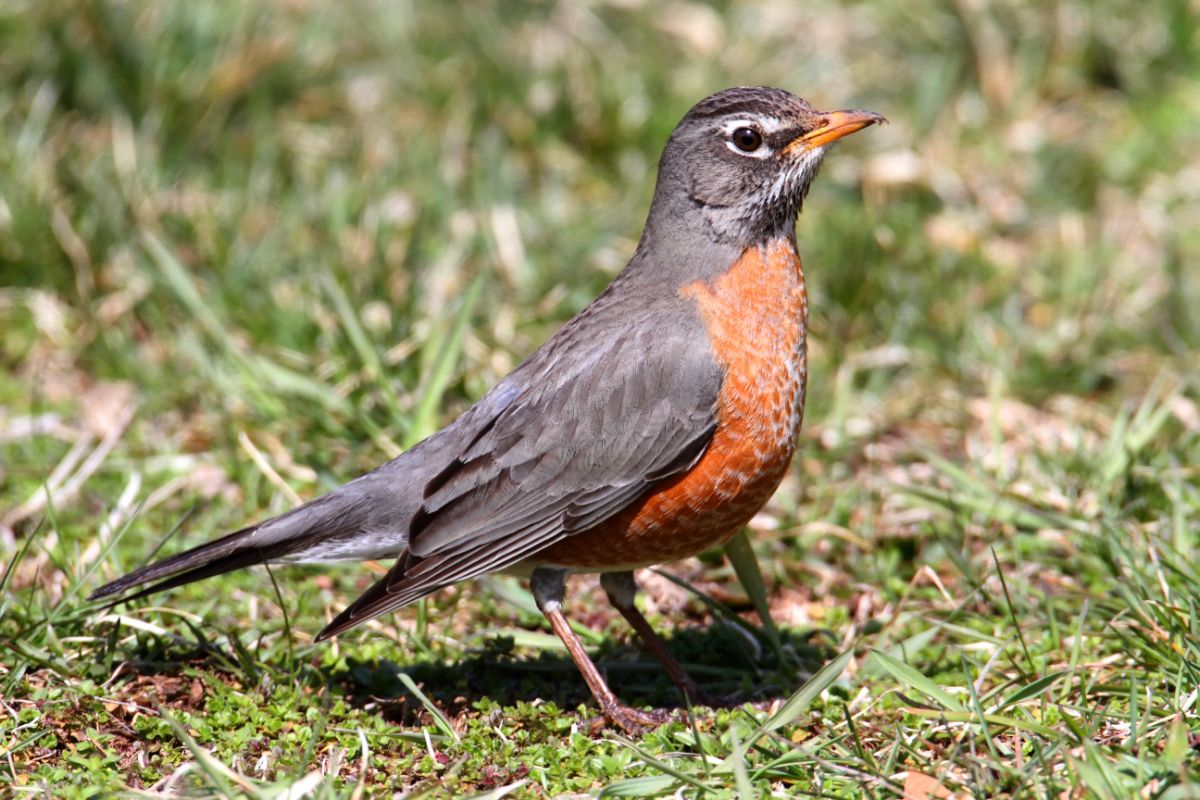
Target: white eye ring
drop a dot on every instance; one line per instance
(730, 131)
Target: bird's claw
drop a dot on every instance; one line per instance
(634, 721)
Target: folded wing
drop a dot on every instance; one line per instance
(575, 447)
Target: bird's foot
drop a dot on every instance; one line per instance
(634, 721)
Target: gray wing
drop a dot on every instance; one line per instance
(594, 426)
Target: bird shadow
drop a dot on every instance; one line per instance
(729, 664)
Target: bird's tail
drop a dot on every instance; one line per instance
(359, 521)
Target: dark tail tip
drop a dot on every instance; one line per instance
(341, 622)
(107, 590)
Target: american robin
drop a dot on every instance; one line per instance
(651, 427)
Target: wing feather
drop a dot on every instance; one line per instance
(573, 449)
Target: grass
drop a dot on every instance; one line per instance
(249, 250)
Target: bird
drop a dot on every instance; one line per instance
(651, 427)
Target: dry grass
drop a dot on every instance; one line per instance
(236, 244)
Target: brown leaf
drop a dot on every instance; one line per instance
(919, 786)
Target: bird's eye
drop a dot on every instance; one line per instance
(747, 139)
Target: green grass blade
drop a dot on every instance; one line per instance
(1032, 689)
(645, 786)
(367, 354)
(439, 719)
(915, 680)
(435, 383)
(745, 564)
(803, 697)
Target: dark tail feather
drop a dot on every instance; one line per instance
(350, 616)
(213, 558)
(406, 582)
(356, 522)
(384, 595)
(246, 558)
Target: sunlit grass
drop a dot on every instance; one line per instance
(250, 250)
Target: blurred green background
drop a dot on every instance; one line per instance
(249, 250)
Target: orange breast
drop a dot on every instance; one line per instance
(756, 315)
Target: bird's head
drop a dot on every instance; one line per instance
(743, 160)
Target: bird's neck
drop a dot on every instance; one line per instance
(684, 241)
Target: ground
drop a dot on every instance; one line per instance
(249, 250)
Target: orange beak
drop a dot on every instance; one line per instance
(836, 125)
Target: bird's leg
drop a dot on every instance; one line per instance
(547, 586)
(621, 589)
